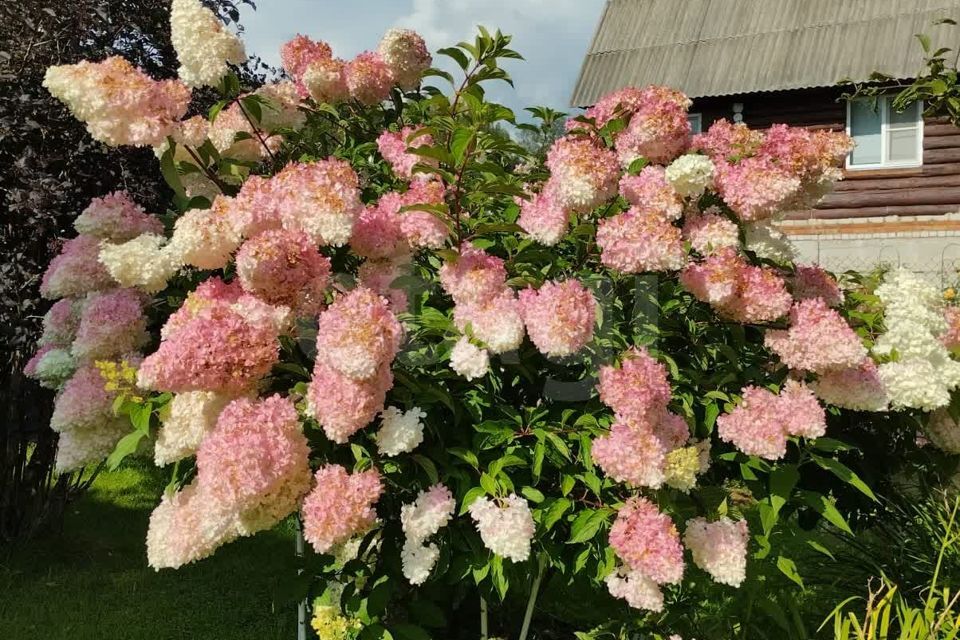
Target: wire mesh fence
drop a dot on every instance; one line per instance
(939, 262)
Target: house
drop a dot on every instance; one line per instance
(770, 61)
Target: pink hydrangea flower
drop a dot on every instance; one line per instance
(406, 56)
(755, 188)
(474, 276)
(343, 405)
(340, 506)
(737, 290)
(762, 296)
(256, 207)
(637, 242)
(76, 270)
(506, 526)
(116, 217)
(283, 267)
(650, 192)
(727, 142)
(710, 232)
(84, 401)
(216, 350)
(120, 104)
(357, 334)
(638, 590)
(186, 527)
(379, 275)
(423, 229)
(543, 218)
(60, 323)
(632, 454)
(951, 338)
(637, 388)
(495, 321)
(583, 174)
(818, 339)
(320, 198)
(369, 78)
(761, 423)
(112, 323)
(621, 103)
(859, 388)
(559, 317)
(297, 54)
(377, 233)
(811, 281)
(719, 548)
(393, 147)
(255, 462)
(325, 80)
(659, 131)
(647, 541)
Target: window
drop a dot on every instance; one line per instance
(696, 122)
(884, 137)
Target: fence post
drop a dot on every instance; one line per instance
(302, 605)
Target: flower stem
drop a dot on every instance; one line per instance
(532, 602)
(483, 618)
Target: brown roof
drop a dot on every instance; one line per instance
(722, 47)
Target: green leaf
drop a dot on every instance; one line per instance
(460, 142)
(469, 497)
(489, 484)
(126, 446)
(586, 525)
(831, 445)
(459, 56)
(169, 170)
(427, 613)
(822, 505)
(846, 474)
(407, 631)
(782, 481)
(427, 465)
(924, 41)
(533, 495)
(789, 568)
(555, 511)
(499, 578)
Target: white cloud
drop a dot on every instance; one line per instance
(553, 35)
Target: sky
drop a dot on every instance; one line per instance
(552, 35)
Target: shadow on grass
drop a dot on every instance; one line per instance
(91, 580)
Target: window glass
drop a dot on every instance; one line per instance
(866, 127)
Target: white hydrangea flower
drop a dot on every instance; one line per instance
(506, 530)
(204, 47)
(469, 360)
(418, 560)
(769, 242)
(204, 238)
(89, 444)
(719, 548)
(923, 374)
(638, 590)
(55, 367)
(144, 262)
(185, 421)
(690, 174)
(400, 432)
(430, 512)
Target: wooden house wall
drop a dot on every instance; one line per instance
(930, 189)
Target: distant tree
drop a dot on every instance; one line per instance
(537, 138)
(52, 168)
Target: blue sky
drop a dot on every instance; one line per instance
(553, 35)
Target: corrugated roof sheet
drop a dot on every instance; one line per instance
(722, 47)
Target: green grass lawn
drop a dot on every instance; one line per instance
(90, 581)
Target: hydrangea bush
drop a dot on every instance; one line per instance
(466, 371)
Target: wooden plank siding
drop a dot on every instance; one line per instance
(930, 189)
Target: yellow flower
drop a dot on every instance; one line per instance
(119, 378)
(949, 294)
(330, 625)
(681, 468)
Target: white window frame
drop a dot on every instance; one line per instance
(698, 118)
(884, 106)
